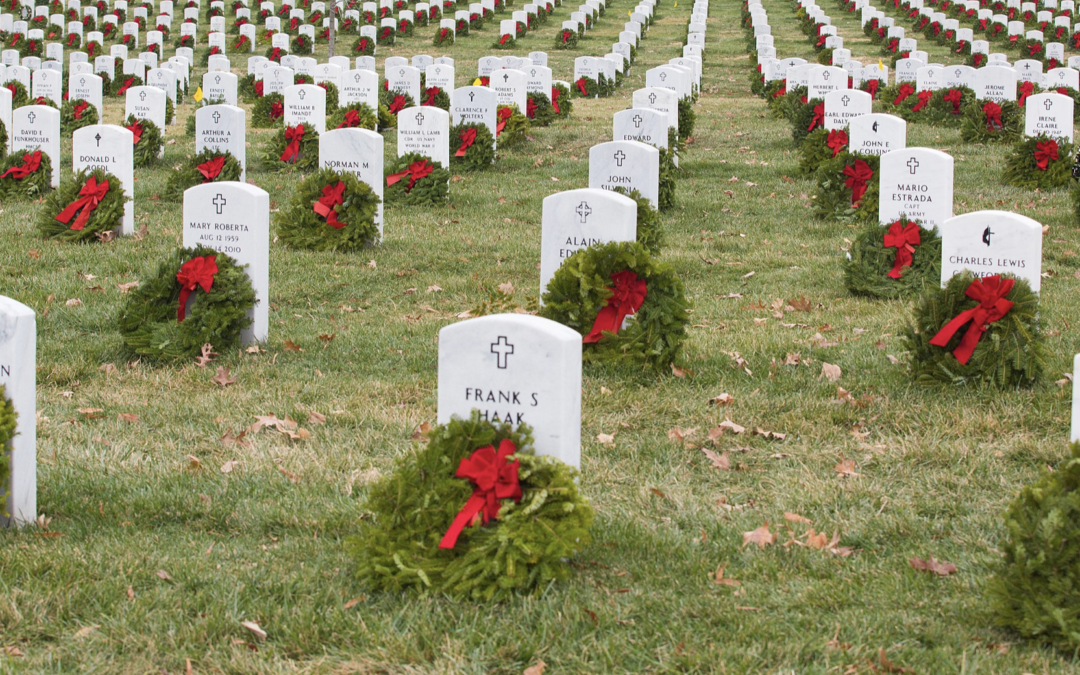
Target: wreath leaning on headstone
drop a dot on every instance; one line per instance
(435, 97)
(3, 139)
(475, 147)
(76, 113)
(19, 95)
(895, 260)
(330, 211)
(332, 96)
(538, 109)
(990, 122)
(586, 87)
(147, 140)
(511, 127)
(292, 146)
(208, 166)
(415, 180)
(356, 115)
(26, 174)
(561, 101)
(8, 420)
(443, 36)
(847, 188)
(1039, 162)
(649, 231)
(90, 204)
(268, 111)
(819, 146)
(687, 117)
(1034, 590)
(628, 306)
(424, 531)
(977, 330)
(566, 39)
(159, 322)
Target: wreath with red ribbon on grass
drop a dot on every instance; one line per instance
(472, 147)
(1040, 162)
(893, 260)
(330, 211)
(208, 166)
(416, 180)
(292, 147)
(83, 208)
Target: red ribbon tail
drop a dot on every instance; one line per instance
(464, 517)
(69, 212)
(607, 319)
(395, 177)
(945, 334)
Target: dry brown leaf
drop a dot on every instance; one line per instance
(255, 629)
(606, 439)
(228, 466)
(722, 461)
(421, 433)
(130, 593)
(535, 669)
(74, 302)
(208, 355)
(506, 288)
(679, 372)
(124, 288)
(163, 575)
(91, 413)
(12, 651)
(830, 372)
(939, 568)
(128, 417)
(228, 439)
(722, 400)
(222, 378)
(720, 579)
(434, 289)
(843, 395)
(354, 602)
(658, 493)
(194, 463)
(885, 665)
(326, 339)
(108, 369)
(315, 419)
(796, 518)
(85, 631)
(731, 426)
(293, 478)
(761, 536)
(846, 467)
(816, 540)
(291, 346)
(680, 435)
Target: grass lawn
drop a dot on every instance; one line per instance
(154, 556)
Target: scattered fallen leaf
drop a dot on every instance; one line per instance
(315, 419)
(722, 400)
(85, 631)
(128, 417)
(326, 339)
(720, 579)
(222, 378)
(722, 461)
(91, 413)
(731, 426)
(354, 602)
(796, 518)
(888, 666)
(658, 493)
(255, 629)
(830, 372)
(761, 536)
(680, 435)
(130, 593)
(606, 439)
(535, 669)
(679, 372)
(293, 478)
(74, 302)
(208, 355)
(228, 439)
(124, 288)
(291, 346)
(228, 466)
(846, 467)
(163, 575)
(506, 288)
(421, 432)
(108, 369)
(939, 568)
(434, 289)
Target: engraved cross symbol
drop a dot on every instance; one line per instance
(1048, 104)
(637, 121)
(142, 95)
(356, 78)
(502, 349)
(845, 100)
(31, 117)
(472, 95)
(663, 76)
(219, 202)
(652, 99)
(913, 164)
(619, 157)
(303, 94)
(217, 79)
(1027, 66)
(217, 117)
(826, 75)
(584, 211)
(98, 139)
(506, 77)
(419, 118)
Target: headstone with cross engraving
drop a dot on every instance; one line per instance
(48, 84)
(916, 183)
(424, 130)
(995, 83)
(219, 88)
(305, 104)
(106, 65)
(441, 76)
(844, 105)
(477, 105)
(992, 242)
(404, 80)
(18, 376)
(360, 86)
(1049, 114)
(575, 219)
(672, 77)
(88, 88)
(663, 100)
(627, 164)
(511, 87)
(109, 147)
(163, 79)
(876, 134)
(1062, 77)
(538, 80)
(359, 152)
(518, 369)
(959, 76)
(276, 79)
(223, 128)
(234, 218)
(37, 127)
(146, 103)
(823, 79)
(641, 124)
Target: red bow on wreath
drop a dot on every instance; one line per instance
(352, 119)
(505, 38)
(904, 240)
(503, 116)
(1026, 89)
(566, 35)
(872, 87)
(858, 175)
(555, 99)
(79, 109)
(1034, 48)
(1044, 152)
(992, 111)
(468, 137)
(293, 136)
(495, 478)
(211, 169)
(955, 97)
(71, 39)
(990, 294)
(836, 141)
(194, 273)
(924, 98)
(397, 105)
(415, 172)
(819, 117)
(127, 84)
(581, 86)
(277, 109)
(362, 45)
(627, 296)
(136, 130)
(431, 93)
(259, 88)
(90, 196)
(530, 108)
(905, 91)
(961, 46)
(332, 195)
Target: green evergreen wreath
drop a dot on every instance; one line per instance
(566, 39)
(650, 233)
(506, 41)
(107, 215)
(87, 116)
(665, 198)
(245, 87)
(479, 156)
(149, 143)
(387, 36)
(516, 129)
(815, 151)
(302, 44)
(308, 158)
(524, 550)
(268, 111)
(687, 117)
(538, 109)
(431, 190)
(148, 320)
(1009, 354)
(364, 46)
(364, 118)
(124, 82)
(188, 175)
(19, 95)
(561, 102)
(1021, 170)
(391, 99)
(332, 96)
(976, 127)
(1035, 590)
(948, 105)
(443, 36)
(8, 421)
(832, 198)
(867, 268)
(809, 114)
(300, 226)
(586, 87)
(581, 288)
(33, 186)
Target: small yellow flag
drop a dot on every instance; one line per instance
(478, 82)
(629, 13)
(880, 65)
(198, 95)
(676, 4)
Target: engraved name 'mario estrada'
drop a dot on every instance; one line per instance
(503, 402)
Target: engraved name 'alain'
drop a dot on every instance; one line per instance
(499, 397)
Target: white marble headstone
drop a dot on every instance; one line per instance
(992, 242)
(1049, 114)
(424, 130)
(359, 152)
(37, 127)
(109, 147)
(18, 375)
(918, 184)
(626, 164)
(223, 128)
(575, 219)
